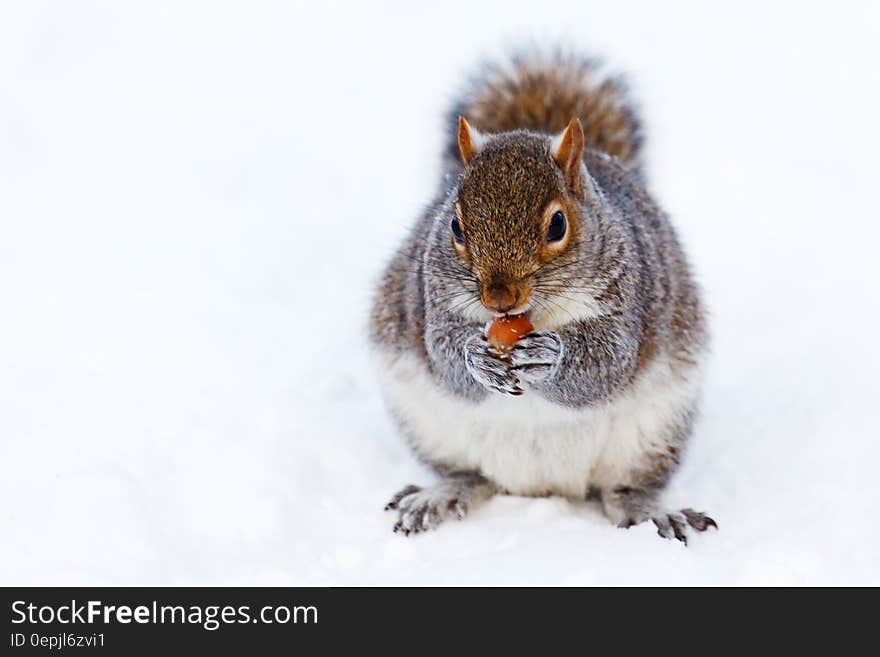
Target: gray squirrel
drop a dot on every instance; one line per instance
(543, 211)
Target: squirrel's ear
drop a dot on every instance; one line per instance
(470, 141)
(568, 150)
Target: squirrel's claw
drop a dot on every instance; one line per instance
(395, 500)
(699, 520)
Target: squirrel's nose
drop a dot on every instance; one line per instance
(500, 297)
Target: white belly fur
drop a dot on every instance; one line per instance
(530, 446)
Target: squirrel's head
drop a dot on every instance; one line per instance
(519, 215)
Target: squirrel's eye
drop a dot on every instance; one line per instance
(456, 230)
(556, 230)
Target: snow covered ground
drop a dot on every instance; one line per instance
(196, 198)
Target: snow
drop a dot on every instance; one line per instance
(195, 200)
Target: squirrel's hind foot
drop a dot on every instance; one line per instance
(627, 506)
(420, 509)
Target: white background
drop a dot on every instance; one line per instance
(196, 199)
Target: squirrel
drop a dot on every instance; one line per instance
(542, 209)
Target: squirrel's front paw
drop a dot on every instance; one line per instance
(536, 357)
(488, 368)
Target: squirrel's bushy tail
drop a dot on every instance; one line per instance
(542, 93)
